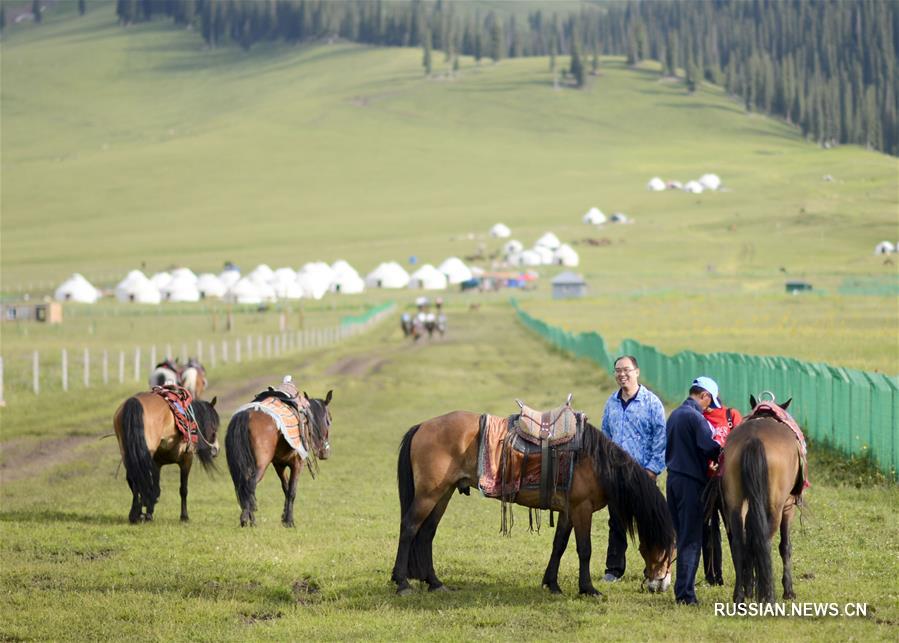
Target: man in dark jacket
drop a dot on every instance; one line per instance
(688, 449)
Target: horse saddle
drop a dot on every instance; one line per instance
(557, 426)
(179, 400)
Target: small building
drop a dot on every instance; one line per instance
(49, 312)
(569, 285)
(794, 287)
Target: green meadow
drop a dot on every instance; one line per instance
(122, 148)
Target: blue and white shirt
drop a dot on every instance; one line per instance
(638, 427)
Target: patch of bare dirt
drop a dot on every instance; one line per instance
(23, 458)
(360, 366)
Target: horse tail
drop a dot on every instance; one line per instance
(241, 460)
(754, 478)
(404, 479)
(419, 559)
(142, 472)
(208, 424)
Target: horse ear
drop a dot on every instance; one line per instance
(306, 395)
(214, 400)
(328, 397)
(785, 404)
(752, 401)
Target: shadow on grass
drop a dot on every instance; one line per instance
(63, 516)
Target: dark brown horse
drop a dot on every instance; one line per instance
(440, 456)
(762, 481)
(254, 441)
(148, 439)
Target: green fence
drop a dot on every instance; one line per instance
(368, 316)
(854, 411)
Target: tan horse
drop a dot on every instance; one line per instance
(440, 456)
(193, 378)
(254, 441)
(148, 439)
(761, 485)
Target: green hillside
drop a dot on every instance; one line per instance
(129, 145)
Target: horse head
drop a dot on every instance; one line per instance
(657, 574)
(320, 419)
(754, 403)
(208, 423)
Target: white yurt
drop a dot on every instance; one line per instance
(546, 255)
(348, 283)
(182, 288)
(284, 283)
(565, 255)
(529, 258)
(594, 216)
(710, 181)
(261, 274)
(500, 231)
(77, 288)
(211, 286)
(313, 284)
(549, 240)
(135, 287)
(428, 278)
(387, 275)
(884, 248)
(512, 247)
(455, 270)
(160, 279)
(229, 277)
(244, 291)
(655, 184)
(321, 271)
(184, 274)
(342, 268)
(694, 187)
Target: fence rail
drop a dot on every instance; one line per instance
(857, 412)
(59, 371)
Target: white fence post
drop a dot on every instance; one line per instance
(137, 364)
(212, 355)
(121, 367)
(249, 348)
(105, 366)
(259, 346)
(237, 350)
(224, 351)
(200, 350)
(268, 345)
(87, 368)
(65, 370)
(36, 372)
(153, 361)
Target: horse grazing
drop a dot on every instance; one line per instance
(146, 428)
(254, 441)
(440, 456)
(763, 478)
(193, 377)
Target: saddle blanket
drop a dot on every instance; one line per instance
(179, 400)
(507, 464)
(285, 418)
(769, 408)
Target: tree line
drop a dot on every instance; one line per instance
(826, 66)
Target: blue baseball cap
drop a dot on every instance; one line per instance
(711, 386)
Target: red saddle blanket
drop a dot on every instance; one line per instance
(179, 399)
(773, 410)
(507, 464)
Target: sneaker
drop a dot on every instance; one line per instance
(611, 578)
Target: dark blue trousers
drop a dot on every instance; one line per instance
(685, 504)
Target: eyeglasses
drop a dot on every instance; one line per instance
(624, 371)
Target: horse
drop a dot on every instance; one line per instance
(762, 481)
(193, 377)
(440, 456)
(166, 372)
(418, 328)
(149, 439)
(254, 441)
(441, 324)
(406, 324)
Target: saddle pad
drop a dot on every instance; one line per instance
(523, 465)
(558, 426)
(285, 418)
(179, 400)
(768, 408)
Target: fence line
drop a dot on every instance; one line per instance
(854, 411)
(276, 345)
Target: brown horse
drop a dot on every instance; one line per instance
(762, 481)
(193, 377)
(440, 456)
(254, 441)
(148, 439)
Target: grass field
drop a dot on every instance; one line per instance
(74, 569)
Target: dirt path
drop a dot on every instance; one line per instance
(23, 458)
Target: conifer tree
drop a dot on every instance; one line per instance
(576, 67)
(426, 57)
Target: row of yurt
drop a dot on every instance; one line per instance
(594, 216)
(705, 182)
(548, 250)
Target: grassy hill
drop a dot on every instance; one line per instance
(128, 145)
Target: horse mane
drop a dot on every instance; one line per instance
(208, 424)
(318, 412)
(621, 477)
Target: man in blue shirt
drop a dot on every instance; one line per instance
(689, 448)
(634, 418)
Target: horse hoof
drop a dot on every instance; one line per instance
(439, 588)
(789, 596)
(592, 591)
(185, 519)
(287, 523)
(553, 589)
(404, 591)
